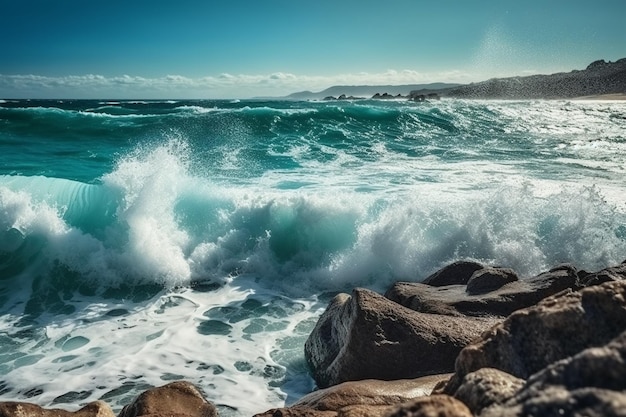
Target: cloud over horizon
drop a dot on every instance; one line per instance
(224, 85)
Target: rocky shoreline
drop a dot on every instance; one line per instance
(470, 340)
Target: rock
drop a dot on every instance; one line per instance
(558, 327)
(487, 387)
(489, 279)
(614, 273)
(457, 273)
(591, 383)
(555, 401)
(296, 412)
(370, 392)
(434, 405)
(360, 398)
(19, 409)
(454, 299)
(366, 336)
(176, 398)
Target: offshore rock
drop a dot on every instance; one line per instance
(20, 409)
(558, 327)
(591, 383)
(366, 336)
(455, 300)
(179, 398)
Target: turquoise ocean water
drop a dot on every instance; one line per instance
(148, 241)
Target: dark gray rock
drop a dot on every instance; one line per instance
(457, 273)
(512, 296)
(489, 279)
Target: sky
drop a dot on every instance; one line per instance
(246, 48)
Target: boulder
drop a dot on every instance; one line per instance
(457, 273)
(20, 409)
(558, 327)
(512, 296)
(591, 383)
(489, 279)
(487, 387)
(367, 336)
(179, 398)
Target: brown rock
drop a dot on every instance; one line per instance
(457, 273)
(591, 383)
(296, 412)
(556, 401)
(366, 336)
(364, 411)
(177, 398)
(558, 327)
(370, 392)
(490, 279)
(432, 406)
(487, 387)
(20, 409)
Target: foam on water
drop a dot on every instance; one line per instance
(207, 253)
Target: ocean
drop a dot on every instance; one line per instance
(143, 242)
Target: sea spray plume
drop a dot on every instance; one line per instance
(149, 187)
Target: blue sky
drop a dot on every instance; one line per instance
(245, 48)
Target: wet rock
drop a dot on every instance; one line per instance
(366, 336)
(20, 409)
(558, 327)
(177, 398)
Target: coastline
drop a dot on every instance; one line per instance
(469, 340)
(604, 97)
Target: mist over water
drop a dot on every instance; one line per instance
(144, 242)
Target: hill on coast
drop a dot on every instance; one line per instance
(368, 91)
(599, 78)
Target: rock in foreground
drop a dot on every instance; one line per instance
(366, 336)
(180, 399)
(20, 409)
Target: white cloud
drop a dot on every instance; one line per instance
(222, 86)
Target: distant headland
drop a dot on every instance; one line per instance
(600, 80)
